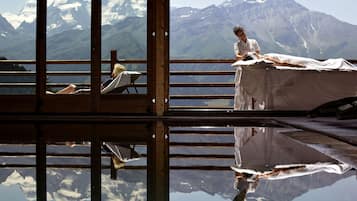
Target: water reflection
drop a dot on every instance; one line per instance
(17, 184)
(68, 174)
(261, 164)
(206, 163)
(271, 166)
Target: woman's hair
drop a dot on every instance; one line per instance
(118, 68)
(237, 29)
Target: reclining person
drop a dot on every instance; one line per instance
(72, 89)
(305, 62)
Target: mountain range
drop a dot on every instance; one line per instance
(282, 26)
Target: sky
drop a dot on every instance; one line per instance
(344, 10)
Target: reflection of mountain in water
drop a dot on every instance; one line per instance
(212, 182)
(75, 184)
(288, 189)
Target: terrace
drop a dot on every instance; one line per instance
(162, 119)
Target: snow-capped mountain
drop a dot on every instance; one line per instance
(66, 15)
(5, 27)
(27, 14)
(75, 14)
(282, 26)
(116, 10)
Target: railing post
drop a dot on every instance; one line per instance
(113, 59)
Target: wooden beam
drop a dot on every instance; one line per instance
(158, 163)
(96, 53)
(41, 191)
(96, 169)
(41, 23)
(159, 58)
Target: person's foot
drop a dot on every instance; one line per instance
(73, 86)
(70, 144)
(117, 163)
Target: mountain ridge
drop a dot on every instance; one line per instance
(282, 26)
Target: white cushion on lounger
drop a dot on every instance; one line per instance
(123, 79)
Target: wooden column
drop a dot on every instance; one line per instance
(41, 14)
(96, 51)
(96, 165)
(158, 163)
(158, 54)
(41, 190)
(158, 87)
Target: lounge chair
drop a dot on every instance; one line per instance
(121, 153)
(124, 80)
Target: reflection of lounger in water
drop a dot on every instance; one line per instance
(122, 153)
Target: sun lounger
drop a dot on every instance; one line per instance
(118, 85)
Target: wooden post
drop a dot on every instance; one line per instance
(41, 15)
(158, 55)
(113, 171)
(96, 61)
(96, 165)
(113, 59)
(41, 52)
(158, 80)
(96, 53)
(158, 163)
(41, 184)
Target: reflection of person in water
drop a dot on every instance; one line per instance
(247, 183)
(268, 155)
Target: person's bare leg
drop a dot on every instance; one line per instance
(68, 90)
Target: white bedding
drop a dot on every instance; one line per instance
(307, 63)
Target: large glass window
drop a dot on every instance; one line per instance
(202, 52)
(18, 44)
(124, 40)
(68, 42)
